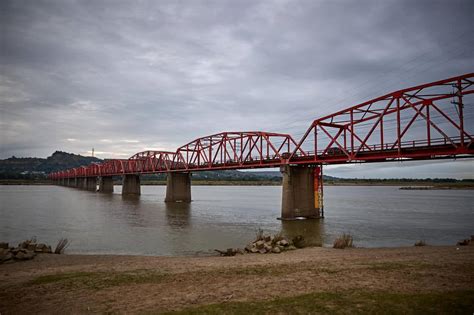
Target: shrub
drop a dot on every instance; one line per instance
(343, 241)
(420, 243)
(62, 245)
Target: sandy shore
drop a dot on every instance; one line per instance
(137, 284)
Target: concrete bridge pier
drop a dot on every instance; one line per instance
(80, 182)
(302, 192)
(106, 184)
(178, 187)
(131, 184)
(90, 183)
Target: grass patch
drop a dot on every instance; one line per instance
(100, 280)
(349, 302)
(388, 266)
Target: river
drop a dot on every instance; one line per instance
(228, 216)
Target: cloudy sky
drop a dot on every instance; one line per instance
(122, 77)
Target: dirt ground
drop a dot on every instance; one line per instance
(136, 284)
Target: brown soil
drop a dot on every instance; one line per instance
(137, 284)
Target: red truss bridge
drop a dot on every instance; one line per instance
(428, 121)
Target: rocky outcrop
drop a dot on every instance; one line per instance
(275, 244)
(26, 250)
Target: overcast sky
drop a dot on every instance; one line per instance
(127, 76)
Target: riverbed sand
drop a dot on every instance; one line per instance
(137, 284)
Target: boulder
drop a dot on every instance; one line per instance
(20, 256)
(267, 247)
(3, 245)
(254, 250)
(29, 255)
(31, 246)
(464, 242)
(6, 256)
(276, 250)
(262, 251)
(267, 238)
(248, 248)
(47, 249)
(284, 242)
(259, 244)
(40, 246)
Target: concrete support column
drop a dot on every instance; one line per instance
(301, 192)
(80, 182)
(131, 185)
(90, 183)
(106, 184)
(178, 187)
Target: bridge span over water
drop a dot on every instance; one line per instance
(424, 122)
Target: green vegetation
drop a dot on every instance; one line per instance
(349, 302)
(100, 280)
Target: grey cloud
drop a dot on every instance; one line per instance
(167, 72)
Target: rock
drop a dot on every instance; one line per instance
(5, 255)
(31, 246)
(29, 255)
(262, 251)
(15, 251)
(267, 247)
(248, 248)
(40, 246)
(267, 238)
(3, 245)
(47, 250)
(259, 244)
(276, 250)
(254, 250)
(284, 242)
(228, 252)
(464, 242)
(20, 256)
(291, 247)
(298, 241)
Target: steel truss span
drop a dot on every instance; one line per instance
(429, 121)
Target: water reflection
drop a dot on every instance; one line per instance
(311, 230)
(178, 214)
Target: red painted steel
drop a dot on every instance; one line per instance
(423, 122)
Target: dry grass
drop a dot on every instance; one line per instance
(62, 245)
(259, 235)
(343, 241)
(420, 243)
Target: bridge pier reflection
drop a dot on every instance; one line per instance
(311, 230)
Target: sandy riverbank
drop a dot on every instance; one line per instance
(436, 277)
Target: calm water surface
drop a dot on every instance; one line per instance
(227, 216)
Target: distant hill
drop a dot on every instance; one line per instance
(38, 167)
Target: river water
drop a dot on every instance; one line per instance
(228, 216)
